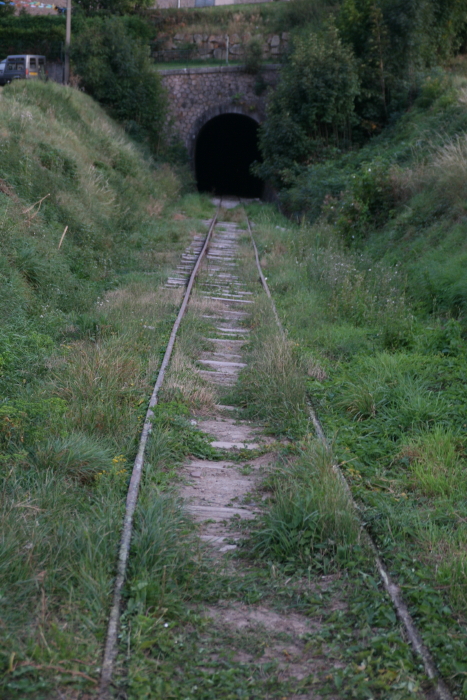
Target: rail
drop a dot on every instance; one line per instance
(440, 689)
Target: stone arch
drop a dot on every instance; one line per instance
(225, 108)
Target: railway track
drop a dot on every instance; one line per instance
(213, 490)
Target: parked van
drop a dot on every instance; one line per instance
(24, 66)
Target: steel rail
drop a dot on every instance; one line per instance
(110, 649)
(392, 589)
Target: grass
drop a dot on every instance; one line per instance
(301, 559)
(436, 463)
(83, 332)
(271, 388)
(311, 523)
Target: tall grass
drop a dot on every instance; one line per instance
(435, 462)
(311, 522)
(272, 387)
(83, 328)
(165, 553)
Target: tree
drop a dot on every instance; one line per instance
(395, 40)
(114, 67)
(7, 9)
(312, 111)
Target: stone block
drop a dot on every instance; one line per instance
(236, 49)
(274, 40)
(219, 54)
(198, 39)
(285, 36)
(234, 39)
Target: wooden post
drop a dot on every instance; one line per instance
(66, 76)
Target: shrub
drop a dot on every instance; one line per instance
(113, 66)
(367, 201)
(253, 56)
(312, 110)
(32, 34)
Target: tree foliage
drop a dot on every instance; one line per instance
(113, 65)
(312, 110)
(7, 9)
(32, 34)
(393, 40)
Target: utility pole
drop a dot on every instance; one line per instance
(66, 76)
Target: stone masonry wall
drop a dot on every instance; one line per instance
(206, 46)
(199, 94)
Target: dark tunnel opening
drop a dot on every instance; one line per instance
(225, 148)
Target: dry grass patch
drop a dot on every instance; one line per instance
(184, 381)
(105, 385)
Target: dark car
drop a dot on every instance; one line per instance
(23, 66)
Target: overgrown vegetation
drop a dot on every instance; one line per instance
(311, 112)
(345, 79)
(86, 235)
(32, 34)
(111, 58)
(387, 382)
(311, 523)
(175, 639)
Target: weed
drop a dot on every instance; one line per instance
(183, 382)
(435, 462)
(311, 522)
(164, 553)
(391, 396)
(272, 387)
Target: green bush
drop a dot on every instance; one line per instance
(32, 34)
(393, 41)
(253, 56)
(366, 202)
(113, 66)
(312, 111)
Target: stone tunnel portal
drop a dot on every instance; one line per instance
(226, 147)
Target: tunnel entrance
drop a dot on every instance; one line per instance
(225, 148)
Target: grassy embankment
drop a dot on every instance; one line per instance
(83, 326)
(373, 296)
